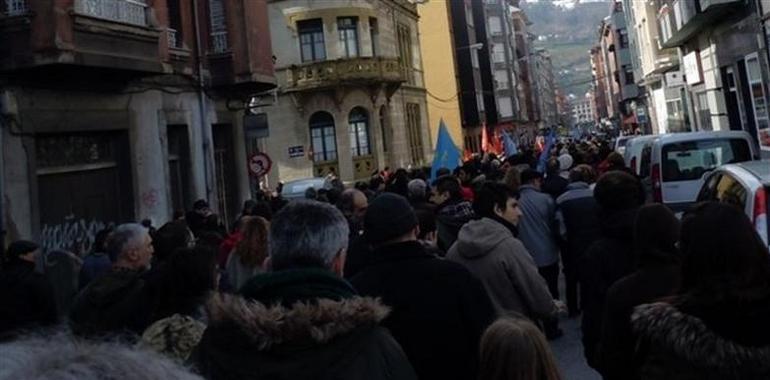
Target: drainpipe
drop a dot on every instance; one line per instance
(208, 149)
(2, 174)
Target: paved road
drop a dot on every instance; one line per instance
(569, 352)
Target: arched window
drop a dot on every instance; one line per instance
(359, 132)
(323, 137)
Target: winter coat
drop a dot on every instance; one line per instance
(175, 336)
(725, 341)
(536, 228)
(450, 217)
(94, 265)
(607, 260)
(555, 185)
(239, 274)
(659, 276)
(440, 310)
(489, 250)
(298, 324)
(113, 304)
(26, 299)
(61, 270)
(577, 216)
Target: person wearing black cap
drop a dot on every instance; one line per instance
(26, 297)
(440, 309)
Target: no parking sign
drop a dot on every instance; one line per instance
(259, 164)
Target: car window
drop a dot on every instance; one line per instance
(689, 160)
(729, 190)
(709, 190)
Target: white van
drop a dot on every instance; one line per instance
(620, 143)
(633, 154)
(679, 162)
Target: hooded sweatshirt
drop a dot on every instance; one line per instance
(509, 274)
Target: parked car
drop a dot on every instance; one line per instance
(633, 154)
(296, 189)
(679, 162)
(746, 185)
(620, 143)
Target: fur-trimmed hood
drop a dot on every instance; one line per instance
(319, 321)
(689, 338)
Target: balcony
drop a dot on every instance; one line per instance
(126, 11)
(684, 19)
(354, 71)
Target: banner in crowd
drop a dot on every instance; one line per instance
(447, 155)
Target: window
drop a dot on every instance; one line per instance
(348, 30)
(219, 43)
(498, 53)
(480, 101)
(628, 74)
(501, 79)
(311, 40)
(405, 52)
(374, 35)
(475, 58)
(703, 111)
(688, 161)
(174, 24)
(505, 107)
(758, 100)
(358, 122)
(414, 135)
(495, 27)
(322, 137)
(384, 128)
(623, 37)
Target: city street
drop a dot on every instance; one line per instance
(569, 352)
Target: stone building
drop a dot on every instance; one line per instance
(351, 96)
(123, 110)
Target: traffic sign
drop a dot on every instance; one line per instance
(259, 164)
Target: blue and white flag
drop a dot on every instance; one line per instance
(550, 140)
(447, 155)
(509, 145)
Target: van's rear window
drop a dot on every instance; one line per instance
(688, 161)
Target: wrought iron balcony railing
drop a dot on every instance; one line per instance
(360, 70)
(126, 11)
(16, 7)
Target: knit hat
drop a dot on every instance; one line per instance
(388, 217)
(565, 162)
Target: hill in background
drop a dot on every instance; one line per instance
(568, 30)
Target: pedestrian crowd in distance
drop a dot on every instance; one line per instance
(404, 278)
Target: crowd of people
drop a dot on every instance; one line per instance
(403, 277)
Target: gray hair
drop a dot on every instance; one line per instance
(417, 189)
(125, 237)
(307, 234)
(68, 358)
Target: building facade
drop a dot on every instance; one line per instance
(93, 135)
(351, 95)
(437, 48)
(583, 110)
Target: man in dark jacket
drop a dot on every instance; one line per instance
(301, 320)
(452, 212)
(26, 297)
(554, 184)
(578, 228)
(440, 309)
(619, 196)
(658, 275)
(114, 303)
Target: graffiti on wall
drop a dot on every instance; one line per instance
(76, 236)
